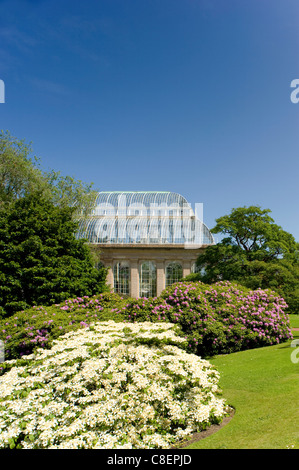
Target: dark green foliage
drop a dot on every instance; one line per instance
(143, 309)
(41, 262)
(255, 252)
(253, 231)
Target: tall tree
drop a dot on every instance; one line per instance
(254, 252)
(41, 261)
(255, 233)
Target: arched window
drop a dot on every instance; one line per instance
(174, 273)
(121, 275)
(148, 279)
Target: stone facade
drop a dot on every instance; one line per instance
(148, 239)
(136, 254)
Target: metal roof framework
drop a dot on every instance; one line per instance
(143, 217)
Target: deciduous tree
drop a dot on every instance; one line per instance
(254, 252)
(21, 174)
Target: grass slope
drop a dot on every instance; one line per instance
(262, 385)
(294, 320)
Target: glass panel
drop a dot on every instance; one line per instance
(121, 275)
(174, 273)
(118, 214)
(148, 279)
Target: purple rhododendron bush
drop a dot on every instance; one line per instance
(220, 318)
(38, 326)
(214, 319)
(225, 317)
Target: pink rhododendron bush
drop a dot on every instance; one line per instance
(225, 317)
(220, 318)
(214, 319)
(109, 385)
(38, 326)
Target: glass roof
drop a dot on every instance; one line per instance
(149, 217)
(142, 198)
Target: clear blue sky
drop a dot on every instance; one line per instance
(190, 96)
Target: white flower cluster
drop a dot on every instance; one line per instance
(109, 386)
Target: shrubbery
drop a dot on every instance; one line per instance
(219, 318)
(109, 386)
(137, 357)
(39, 325)
(214, 319)
(225, 317)
(254, 252)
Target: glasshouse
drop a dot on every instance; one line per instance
(148, 240)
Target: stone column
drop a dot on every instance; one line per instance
(160, 277)
(186, 268)
(134, 279)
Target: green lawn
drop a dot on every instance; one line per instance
(263, 386)
(294, 320)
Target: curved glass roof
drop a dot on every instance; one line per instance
(147, 217)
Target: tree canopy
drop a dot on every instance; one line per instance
(41, 261)
(254, 252)
(253, 231)
(21, 174)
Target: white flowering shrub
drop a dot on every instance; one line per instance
(109, 386)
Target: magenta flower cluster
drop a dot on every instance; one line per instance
(219, 318)
(79, 302)
(39, 325)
